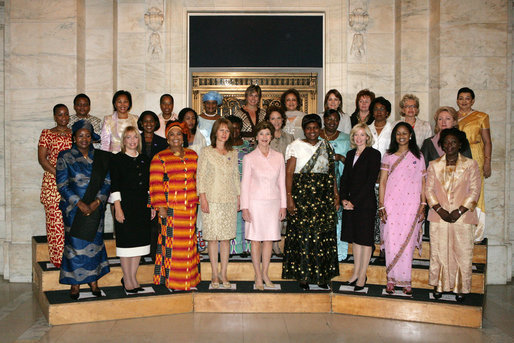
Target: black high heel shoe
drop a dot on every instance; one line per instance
(460, 298)
(360, 288)
(304, 285)
(97, 292)
(132, 291)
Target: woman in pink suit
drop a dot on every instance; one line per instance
(263, 200)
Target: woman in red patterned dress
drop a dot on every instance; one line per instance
(51, 143)
(173, 195)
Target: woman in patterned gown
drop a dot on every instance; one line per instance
(401, 205)
(84, 183)
(250, 113)
(51, 143)
(240, 245)
(173, 195)
(340, 142)
(310, 249)
(478, 131)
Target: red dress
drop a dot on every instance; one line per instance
(50, 197)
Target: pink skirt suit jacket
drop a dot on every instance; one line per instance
(263, 193)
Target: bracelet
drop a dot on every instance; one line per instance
(423, 203)
(381, 208)
(460, 212)
(438, 209)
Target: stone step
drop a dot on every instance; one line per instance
(40, 249)
(243, 298)
(46, 277)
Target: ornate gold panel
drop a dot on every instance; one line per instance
(232, 86)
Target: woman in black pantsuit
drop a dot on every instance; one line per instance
(130, 173)
(360, 173)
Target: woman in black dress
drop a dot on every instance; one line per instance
(360, 173)
(130, 173)
(148, 123)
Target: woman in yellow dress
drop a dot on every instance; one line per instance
(476, 126)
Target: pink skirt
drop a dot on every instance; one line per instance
(265, 225)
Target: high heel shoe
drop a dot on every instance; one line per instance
(390, 288)
(259, 287)
(97, 292)
(351, 283)
(460, 298)
(407, 290)
(304, 285)
(360, 288)
(132, 291)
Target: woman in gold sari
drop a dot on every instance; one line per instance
(452, 191)
(476, 126)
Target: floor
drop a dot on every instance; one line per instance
(21, 320)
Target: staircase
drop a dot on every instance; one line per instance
(158, 300)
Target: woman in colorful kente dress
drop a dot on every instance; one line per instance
(310, 249)
(173, 195)
(240, 245)
(401, 205)
(84, 183)
(51, 143)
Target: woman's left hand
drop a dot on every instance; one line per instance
(337, 202)
(94, 205)
(283, 213)
(153, 213)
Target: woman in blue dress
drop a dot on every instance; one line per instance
(84, 190)
(340, 141)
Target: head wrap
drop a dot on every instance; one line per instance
(213, 95)
(84, 124)
(181, 125)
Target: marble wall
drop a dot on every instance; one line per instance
(53, 49)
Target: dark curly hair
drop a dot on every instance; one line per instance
(148, 113)
(296, 94)
(311, 118)
(460, 135)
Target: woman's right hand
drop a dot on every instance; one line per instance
(445, 215)
(84, 208)
(246, 215)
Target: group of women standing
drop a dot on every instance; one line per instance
(329, 177)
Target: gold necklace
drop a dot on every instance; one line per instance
(329, 138)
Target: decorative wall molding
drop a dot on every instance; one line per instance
(154, 19)
(358, 21)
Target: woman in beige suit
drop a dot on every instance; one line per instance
(452, 191)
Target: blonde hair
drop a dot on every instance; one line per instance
(127, 130)
(448, 109)
(409, 97)
(369, 140)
